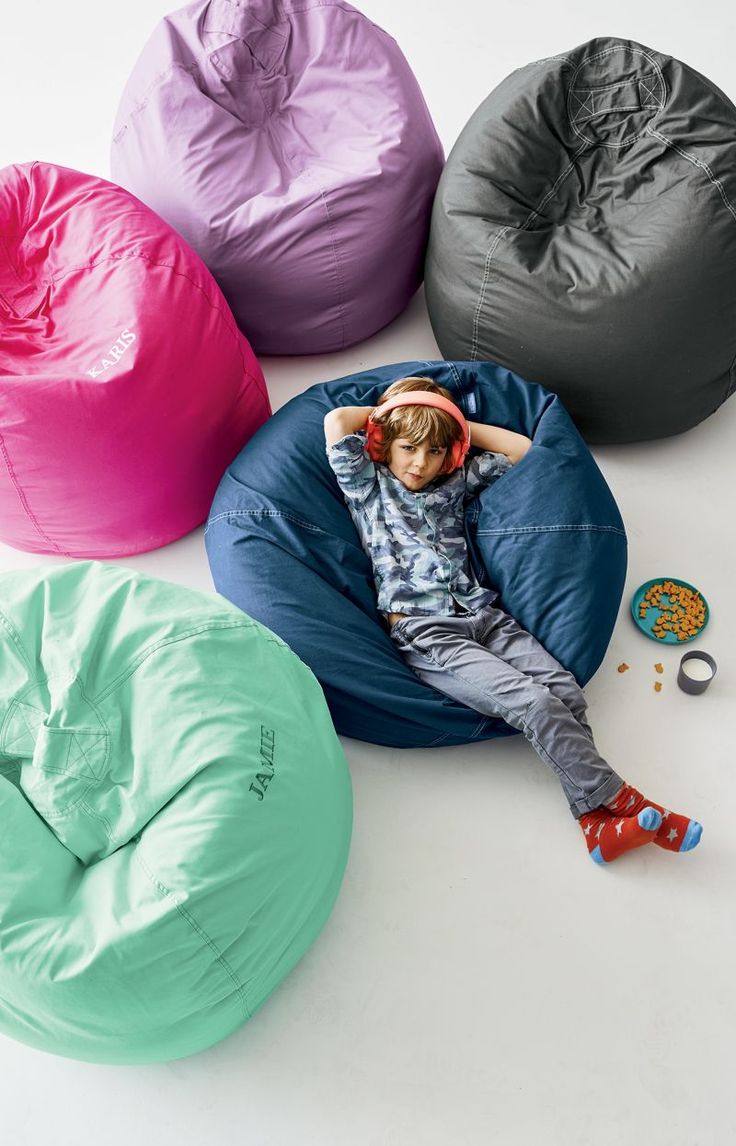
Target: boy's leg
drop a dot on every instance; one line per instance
(505, 636)
(465, 658)
(500, 632)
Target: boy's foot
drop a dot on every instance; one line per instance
(609, 834)
(676, 833)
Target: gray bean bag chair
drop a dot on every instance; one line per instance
(584, 235)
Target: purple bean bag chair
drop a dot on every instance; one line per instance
(290, 144)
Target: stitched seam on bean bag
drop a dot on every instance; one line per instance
(265, 513)
(482, 293)
(148, 652)
(105, 735)
(292, 11)
(732, 379)
(696, 163)
(71, 733)
(549, 59)
(15, 638)
(553, 529)
(492, 249)
(464, 388)
(437, 740)
(338, 269)
(196, 927)
(50, 814)
(177, 66)
(599, 55)
(23, 501)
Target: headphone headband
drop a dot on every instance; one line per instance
(425, 398)
(455, 456)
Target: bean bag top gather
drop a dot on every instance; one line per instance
(584, 234)
(175, 814)
(126, 387)
(290, 144)
(282, 545)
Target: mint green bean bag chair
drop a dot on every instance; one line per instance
(175, 814)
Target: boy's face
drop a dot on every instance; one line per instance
(415, 464)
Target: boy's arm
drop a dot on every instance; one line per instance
(345, 420)
(496, 440)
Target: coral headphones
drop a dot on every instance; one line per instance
(458, 450)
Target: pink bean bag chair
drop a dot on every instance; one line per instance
(125, 386)
(290, 144)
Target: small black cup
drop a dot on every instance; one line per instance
(686, 683)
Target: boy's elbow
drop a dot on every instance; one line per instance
(519, 451)
(333, 427)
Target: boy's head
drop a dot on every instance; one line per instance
(416, 440)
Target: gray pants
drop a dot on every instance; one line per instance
(489, 663)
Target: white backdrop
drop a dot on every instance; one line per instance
(480, 980)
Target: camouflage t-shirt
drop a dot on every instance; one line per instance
(416, 541)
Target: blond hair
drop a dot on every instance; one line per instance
(417, 423)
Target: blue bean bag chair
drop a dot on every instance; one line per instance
(548, 535)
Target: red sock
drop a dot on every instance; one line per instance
(676, 833)
(619, 826)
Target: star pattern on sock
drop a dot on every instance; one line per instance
(617, 833)
(629, 820)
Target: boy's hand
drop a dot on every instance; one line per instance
(345, 420)
(499, 441)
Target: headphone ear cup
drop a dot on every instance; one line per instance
(374, 440)
(455, 458)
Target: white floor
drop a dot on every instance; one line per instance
(480, 980)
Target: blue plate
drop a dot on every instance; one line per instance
(647, 623)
